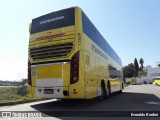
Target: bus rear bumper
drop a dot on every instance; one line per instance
(53, 92)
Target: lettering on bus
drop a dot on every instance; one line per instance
(79, 39)
(52, 19)
(99, 52)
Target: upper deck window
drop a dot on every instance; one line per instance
(53, 20)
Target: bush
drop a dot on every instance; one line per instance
(22, 90)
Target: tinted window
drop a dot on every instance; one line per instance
(53, 20)
(114, 73)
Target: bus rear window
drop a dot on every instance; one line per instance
(53, 20)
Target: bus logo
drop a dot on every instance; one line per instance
(52, 19)
(99, 52)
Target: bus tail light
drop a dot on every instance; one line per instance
(29, 73)
(74, 68)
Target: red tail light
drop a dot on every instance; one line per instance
(29, 73)
(74, 68)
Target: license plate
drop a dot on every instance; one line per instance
(48, 91)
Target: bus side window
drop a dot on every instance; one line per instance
(113, 72)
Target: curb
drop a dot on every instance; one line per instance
(21, 102)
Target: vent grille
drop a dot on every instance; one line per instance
(52, 51)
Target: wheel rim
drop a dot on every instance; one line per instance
(102, 92)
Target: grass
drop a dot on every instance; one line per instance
(8, 90)
(11, 94)
(12, 98)
(15, 94)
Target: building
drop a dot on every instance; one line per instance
(153, 71)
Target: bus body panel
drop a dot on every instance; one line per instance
(96, 69)
(51, 77)
(64, 36)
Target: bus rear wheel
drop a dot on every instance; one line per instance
(104, 92)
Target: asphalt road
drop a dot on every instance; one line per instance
(134, 98)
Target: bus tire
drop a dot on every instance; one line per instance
(108, 90)
(120, 91)
(103, 91)
(101, 96)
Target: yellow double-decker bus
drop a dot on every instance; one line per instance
(69, 58)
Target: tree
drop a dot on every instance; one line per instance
(129, 71)
(158, 65)
(136, 66)
(141, 61)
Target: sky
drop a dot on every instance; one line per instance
(131, 27)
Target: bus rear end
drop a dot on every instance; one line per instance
(54, 58)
